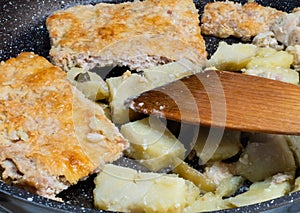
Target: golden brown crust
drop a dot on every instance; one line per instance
(41, 116)
(91, 29)
(224, 19)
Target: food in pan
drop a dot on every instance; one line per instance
(256, 163)
(144, 35)
(295, 51)
(240, 55)
(250, 59)
(268, 189)
(120, 88)
(152, 144)
(139, 34)
(51, 136)
(224, 19)
(287, 29)
(142, 191)
(89, 83)
(220, 182)
(228, 147)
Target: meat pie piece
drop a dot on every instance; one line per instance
(224, 19)
(51, 136)
(137, 34)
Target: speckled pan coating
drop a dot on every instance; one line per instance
(22, 28)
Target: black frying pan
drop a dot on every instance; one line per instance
(22, 28)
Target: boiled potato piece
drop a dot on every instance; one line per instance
(275, 73)
(232, 57)
(121, 88)
(208, 202)
(267, 59)
(216, 150)
(273, 64)
(295, 51)
(264, 156)
(159, 75)
(294, 143)
(152, 143)
(229, 186)
(253, 60)
(89, 83)
(126, 190)
(193, 175)
(264, 52)
(214, 201)
(128, 85)
(296, 184)
(225, 187)
(218, 171)
(262, 191)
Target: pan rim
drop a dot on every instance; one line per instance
(53, 205)
(37, 200)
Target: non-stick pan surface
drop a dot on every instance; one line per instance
(22, 28)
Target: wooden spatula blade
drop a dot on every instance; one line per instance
(226, 99)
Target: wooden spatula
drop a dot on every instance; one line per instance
(226, 99)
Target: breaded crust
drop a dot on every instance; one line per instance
(224, 19)
(51, 136)
(136, 34)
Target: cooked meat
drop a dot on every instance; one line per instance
(267, 39)
(224, 19)
(137, 34)
(287, 29)
(51, 136)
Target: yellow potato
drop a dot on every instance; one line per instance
(275, 73)
(264, 156)
(126, 190)
(89, 83)
(268, 60)
(232, 57)
(152, 144)
(262, 191)
(208, 202)
(121, 88)
(193, 175)
(228, 146)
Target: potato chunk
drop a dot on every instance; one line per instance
(295, 51)
(273, 64)
(296, 184)
(214, 201)
(208, 202)
(253, 60)
(229, 186)
(89, 83)
(152, 143)
(215, 150)
(264, 156)
(262, 191)
(294, 144)
(126, 190)
(232, 57)
(121, 88)
(204, 183)
(269, 58)
(218, 171)
(276, 73)
(159, 75)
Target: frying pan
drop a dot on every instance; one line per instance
(22, 28)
